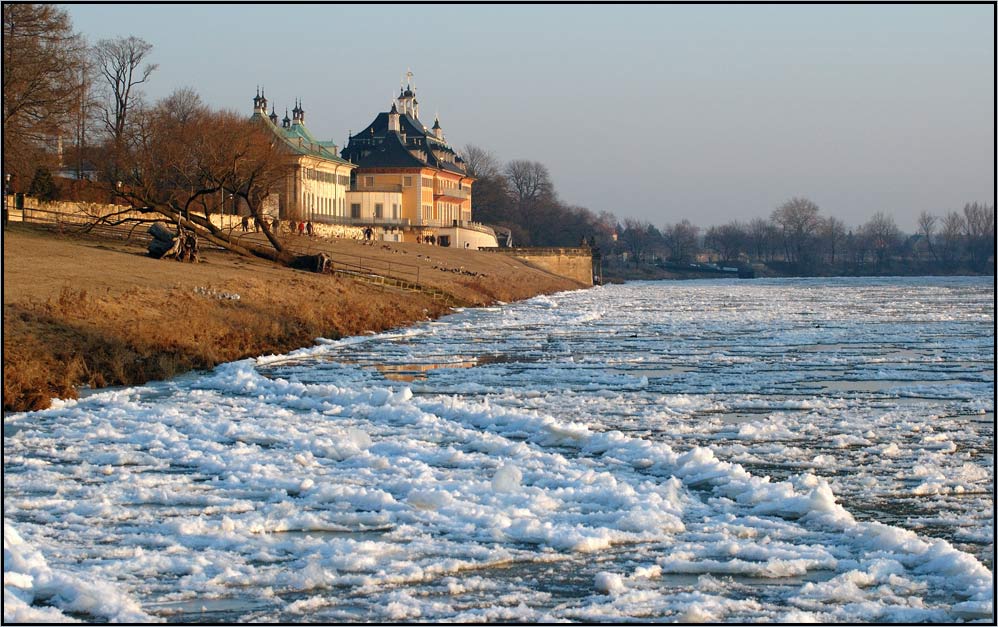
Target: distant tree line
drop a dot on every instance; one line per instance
(794, 239)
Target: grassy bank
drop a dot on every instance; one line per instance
(99, 312)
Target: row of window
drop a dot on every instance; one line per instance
(426, 182)
(379, 210)
(323, 204)
(311, 174)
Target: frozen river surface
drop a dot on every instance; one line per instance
(786, 450)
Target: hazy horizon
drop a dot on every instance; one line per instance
(659, 113)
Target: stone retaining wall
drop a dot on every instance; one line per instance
(579, 264)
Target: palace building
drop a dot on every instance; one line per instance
(396, 176)
(318, 179)
(398, 154)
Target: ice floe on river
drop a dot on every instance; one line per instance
(814, 450)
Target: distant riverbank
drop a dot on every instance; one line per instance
(99, 312)
(619, 273)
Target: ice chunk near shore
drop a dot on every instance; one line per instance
(507, 479)
(610, 583)
(27, 579)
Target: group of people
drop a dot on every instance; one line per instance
(303, 227)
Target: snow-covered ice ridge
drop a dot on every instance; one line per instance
(791, 450)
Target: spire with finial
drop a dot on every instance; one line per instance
(407, 97)
(256, 100)
(273, 114)
(286, 122)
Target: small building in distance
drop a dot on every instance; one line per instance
(318, 179)
(398, 154)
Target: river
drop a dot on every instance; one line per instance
(768, 450)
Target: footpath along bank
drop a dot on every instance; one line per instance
(97, 311)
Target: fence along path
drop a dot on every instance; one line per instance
(370, 270)
(381, 272)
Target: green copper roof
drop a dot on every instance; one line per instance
(301, 142)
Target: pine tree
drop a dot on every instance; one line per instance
(42, 185)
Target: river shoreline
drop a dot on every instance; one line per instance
(97, 312)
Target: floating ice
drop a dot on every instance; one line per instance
(629, 453)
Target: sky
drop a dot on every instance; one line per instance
(654, 112)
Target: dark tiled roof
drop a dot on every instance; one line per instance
(417, 137)
(390, 153)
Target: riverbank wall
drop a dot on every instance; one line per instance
(582, 264)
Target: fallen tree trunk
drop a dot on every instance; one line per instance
(316, 263)
(183, 246)
(201, 226)
(160, 232)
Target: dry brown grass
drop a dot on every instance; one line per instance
(100, 313)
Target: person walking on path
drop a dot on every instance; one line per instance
(308, 228)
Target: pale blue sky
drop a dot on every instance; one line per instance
(655, 112)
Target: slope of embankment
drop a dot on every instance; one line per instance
(98, 312)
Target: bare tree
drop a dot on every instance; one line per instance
(832, 233)
(728, 240)
(529, 181)
(762, 239)
(181, 163)
(979, 231)
(530, 187)
(798, 219)
(119, 62)
(950, 238)
(480, 163)
(41, 85)
(683, 239)
(884, 236)
(927, 229)
(639, 238)
(84, 117)
(183, 105)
